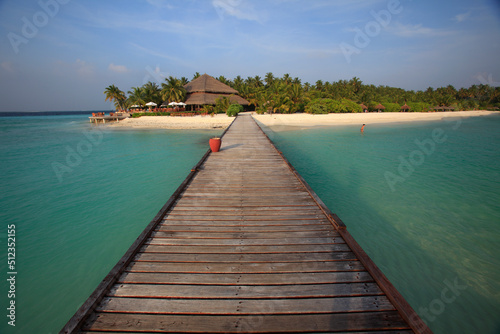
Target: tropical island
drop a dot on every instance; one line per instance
(205, 95)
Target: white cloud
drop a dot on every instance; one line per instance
(79, 68)
(160, 4)
(240, 9)
(462, 17)
(178, 61)
(117, 68)
(415, 30)
(83, 69)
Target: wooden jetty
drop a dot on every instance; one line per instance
(109, 118)
(245, 246)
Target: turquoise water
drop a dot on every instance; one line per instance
(78, 196)
(423, 200)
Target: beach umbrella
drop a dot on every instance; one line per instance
(151, 104)
(172, 104)
(181, 104)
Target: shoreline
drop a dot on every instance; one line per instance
(358, 119)
(303, 120)
(220, 121)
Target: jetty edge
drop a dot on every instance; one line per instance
(245, 245)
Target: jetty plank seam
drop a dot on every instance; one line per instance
(245, 245)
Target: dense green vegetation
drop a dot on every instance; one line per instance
(290, 95)
(234, 109)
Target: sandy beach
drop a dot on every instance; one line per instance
(222, 121)
(308, 120)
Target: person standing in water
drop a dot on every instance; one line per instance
(363, 128)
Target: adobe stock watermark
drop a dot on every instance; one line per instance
(30, 27)
(225, 6)
(363, 37)
(425, 148)
(488, 81)
(74, 157)
(437, 306)
(156, 74)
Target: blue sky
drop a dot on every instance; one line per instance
(62, 54)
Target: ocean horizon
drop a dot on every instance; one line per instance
(422, 199)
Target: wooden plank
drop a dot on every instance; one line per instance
(243, 242)
(254, 217)
(266, 257)
(250, 324)
(245, 222)
(245, 306)
(245, 267)
(247, 279)
(246, 249)
(396, 331)
(262, 228)
(245, 291)
(244, 235)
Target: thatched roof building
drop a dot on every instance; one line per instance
(405, 107)
(379, 107)
(206, 89)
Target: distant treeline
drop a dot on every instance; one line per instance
(290, 95)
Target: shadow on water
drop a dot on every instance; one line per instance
(434, 289)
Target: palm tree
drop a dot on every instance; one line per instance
(269, 79)
(136, 96)
(287, 79)
(152, 92)
(114, 93)
(238, 82)
(173, 90)
(356, 84)
(319, 85)
(196, 75)
(258, 81)
(224, 80)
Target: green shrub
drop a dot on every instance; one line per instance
(392, 107)
(418, 106)
(317, 106)
(348, 106)
(325, 106)
(234, 109)
(221, 104)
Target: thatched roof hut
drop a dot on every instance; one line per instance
(365, 108)
(379, 107)
(206, 89)
(405, 107)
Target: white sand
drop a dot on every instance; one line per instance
(220, 121)
(307, 120)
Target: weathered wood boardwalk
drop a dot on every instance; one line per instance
(245, 246)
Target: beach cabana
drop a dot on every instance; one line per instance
(405, 108)
(365, 108)
(379, 107)
(205, 89)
